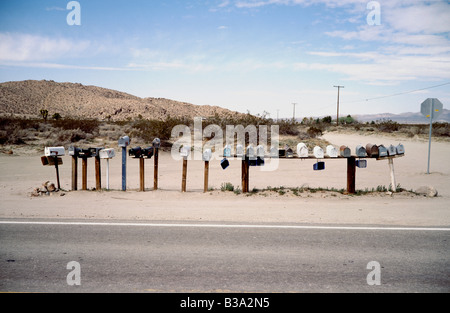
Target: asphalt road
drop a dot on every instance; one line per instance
(219, 258)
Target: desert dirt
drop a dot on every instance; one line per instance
(23, 172)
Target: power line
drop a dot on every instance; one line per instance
(399, 94)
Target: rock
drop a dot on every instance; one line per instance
(428, 191)
(51, 187)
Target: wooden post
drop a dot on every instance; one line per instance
(393, 182)
(84, 174)
(142, 174)
(74, 173)
(351, 175)
(155, 172)
(98, 174)
(245, 175)
(183, 182)
(206, 182)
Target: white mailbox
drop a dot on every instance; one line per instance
(185, 151)
(382, 151)
(392, 150)
(400, 149)
(124, 142)
(54, 151)
(251, 152)
(318, 152)
(107, 154)
(240, 151)
(302, 150)
(361, 151)
(227, 151)
(207, 155)
(274, 152)
(332, 151)
(260, 151)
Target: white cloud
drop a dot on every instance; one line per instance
(25, 47)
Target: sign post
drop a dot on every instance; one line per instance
(432, 109)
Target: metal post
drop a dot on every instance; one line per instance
(431, 133)
(107, 174)
(57, 172)
(155, 175)
(124, 168)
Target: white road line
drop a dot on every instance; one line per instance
(225, 226)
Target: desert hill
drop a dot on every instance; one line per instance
(75, 100)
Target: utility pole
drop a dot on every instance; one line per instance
(278, 115)
(339, 89)
(294, 104)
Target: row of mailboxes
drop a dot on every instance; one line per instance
(374, 151)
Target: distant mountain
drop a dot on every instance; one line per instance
(76, 100)
(404, 118)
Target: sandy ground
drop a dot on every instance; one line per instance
(21, 173)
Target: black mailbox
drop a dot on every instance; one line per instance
(85, 153)
(135, 152)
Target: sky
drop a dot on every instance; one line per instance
(244, 55)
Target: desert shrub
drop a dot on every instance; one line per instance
(227, 187)
(314, 132)
(89, 126)
(148, 130)
(388, 126)
(71, 135)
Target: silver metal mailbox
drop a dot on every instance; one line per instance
(400, 149)
(240, 151)
(274, 152)
(345, 152)
(156, 143)
(207, 155)
(260, 151)
(392, 150)
(54, 151)
(332, 151)
(185, 151)
(251, 153)
(302, 150)
(124, 142)
(382, 151)
(107, 154)
(360, 151)
(318, 152)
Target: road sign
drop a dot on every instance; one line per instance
(432, 108)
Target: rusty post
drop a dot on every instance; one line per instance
(142, 174)
(74, 173)
(206, 181)
(84, 174)
(183, 181)
(98, 174)
(351, 175)
(155, 175)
